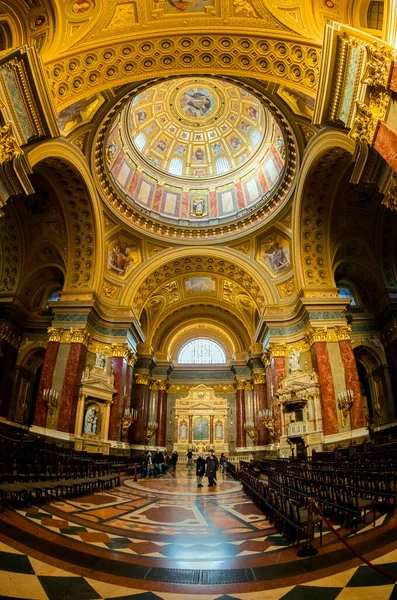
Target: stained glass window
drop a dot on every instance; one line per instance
(375, 15)
(345, 292)
(201, 351)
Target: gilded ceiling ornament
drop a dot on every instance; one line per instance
(286, 289)
(379, 64)
(364, 125)
(9, 148)
(110, 291)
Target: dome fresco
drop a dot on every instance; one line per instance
(199, 128)
(195, 150)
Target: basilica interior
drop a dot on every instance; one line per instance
(198, 252)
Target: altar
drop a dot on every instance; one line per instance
(201, 421)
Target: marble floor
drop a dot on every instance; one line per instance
(165, 538)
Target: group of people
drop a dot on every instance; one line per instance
(155, 464)
(207, 467)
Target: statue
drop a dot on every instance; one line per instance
(91, 421)
(294, 361)
(100, 361)
(198, 207)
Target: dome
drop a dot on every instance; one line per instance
(196, 128)
(196, 152)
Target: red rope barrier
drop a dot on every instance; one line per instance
(360, 556)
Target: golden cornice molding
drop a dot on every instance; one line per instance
(69, 336)
(312, 336)
(142, 379)
(243, 384)
(218, 389)
(9, 336)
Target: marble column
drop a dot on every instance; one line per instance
(127, 396)
(190, 435)
(260, 403)
(385, 143)
(321, 363)
(240, 415)
(47, 373)
(176, 430)
(69, 397)
(8, 359)
(140, 401)
(278, 374)
(357, 417)
(161, 414)
(211, 429)
(119, 369)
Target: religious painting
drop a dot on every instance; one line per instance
(199, 172)
(200, 285)
(180, 149)
(199, 155)
(140, 115)
(235, 142)
(245, 127)
(183, 6)
(201, 429)
(274, 253)
(197, 102)
(252, 112)
(123, 254)
(77, 114)
(217, 148)
(301, 104)
(219, 430)
(162, 145)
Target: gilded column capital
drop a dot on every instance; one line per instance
(69, 336)
(9, 336)
(328, 334)
(9, 148)
(258, 378)
(379, 64)
(159, 384)
(142, 379)
(243, 384)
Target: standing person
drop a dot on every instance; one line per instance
(189, 458)
(212, 466)
(158, 460)
(200, 469)
(149, 465)
(174, 459)
(223, 463)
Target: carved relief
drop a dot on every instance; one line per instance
(122, 254)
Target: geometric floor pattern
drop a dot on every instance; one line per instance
(166, 539)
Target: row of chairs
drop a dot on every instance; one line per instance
(47, 490)
(289, 517)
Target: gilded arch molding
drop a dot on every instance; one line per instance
(227, 263)
(326, 159)
(269, 58)
(67, 171)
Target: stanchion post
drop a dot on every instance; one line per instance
(307, 548)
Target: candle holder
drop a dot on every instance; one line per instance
(345, 402)
(151, 429)
(266, 416)
(129, 417)
(51, 398)
(250, 429)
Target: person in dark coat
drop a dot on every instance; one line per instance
(200, 470)
(158, 460)
(174, 459)
(212, 467)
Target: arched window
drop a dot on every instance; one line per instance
(375, 15)
(222, 165)
(176, 166)
(135, 100)
(346, 292)
(201, 351)
(255, 137)
(140, 141)
(55, 296)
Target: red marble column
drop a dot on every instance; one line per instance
(322, 365)
(69, 397)
(137, 434)
(393, 77)
(119, 368)
(161, 415)
(127, 396)
(357, 416)
(278, 374)
(385, 143)
(47, 373)
(240, 417)
(190, 433)
(176, 430)
(260, 403)
(211, 429)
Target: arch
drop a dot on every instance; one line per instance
(192, 348)
(67, 171)
(27, 378)
(326, 159)
(153, 273)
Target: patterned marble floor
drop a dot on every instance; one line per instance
(165, 538)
